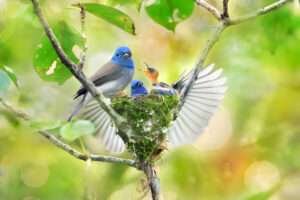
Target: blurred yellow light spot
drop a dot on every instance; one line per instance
(262, 175)
(34, 175)
(218, 132)
(297, 6)
(2, 4)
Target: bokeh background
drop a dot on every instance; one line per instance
(250, 151)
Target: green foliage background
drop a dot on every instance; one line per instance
(257, 156)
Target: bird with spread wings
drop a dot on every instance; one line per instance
(200, 102)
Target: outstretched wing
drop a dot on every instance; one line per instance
(200, 103)
(105, 128)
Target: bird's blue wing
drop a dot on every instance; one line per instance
(200, 103)
(106, 131)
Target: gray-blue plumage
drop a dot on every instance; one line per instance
(110, 79)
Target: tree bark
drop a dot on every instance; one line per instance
(153, 180)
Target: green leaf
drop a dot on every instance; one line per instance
(46, 62)
(46, 125)
(73, 130)
(111, 15)
(169, 13)
(11, 74)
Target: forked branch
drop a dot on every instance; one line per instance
(224, 22)
(210, 8)
(262, 11)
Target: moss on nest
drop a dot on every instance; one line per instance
(149, 117)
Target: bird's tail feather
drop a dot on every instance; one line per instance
(79, 104)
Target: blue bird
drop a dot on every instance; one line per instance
(138, 88)
(110, 79)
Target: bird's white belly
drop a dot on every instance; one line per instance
(112, 87)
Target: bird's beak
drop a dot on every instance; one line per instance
(127, 55)
(146, 68)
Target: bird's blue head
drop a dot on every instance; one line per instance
(138, 88)
(122, 57)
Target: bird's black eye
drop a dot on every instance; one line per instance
(138, 84)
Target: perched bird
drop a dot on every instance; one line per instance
(138, 88)
(110, 79)
(199, 103)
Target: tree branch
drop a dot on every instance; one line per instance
(203, 55)
(67, 148)
(120, 122)
(223, 24)
(262, 11)
(210, 8)
(153, 180)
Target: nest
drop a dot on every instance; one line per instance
(150, 117)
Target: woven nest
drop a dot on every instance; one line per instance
(149, 117)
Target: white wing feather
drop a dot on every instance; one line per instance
(200, 103)
(105, 128)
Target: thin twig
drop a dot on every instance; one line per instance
(203, 55)
(119, 121)
(259, 12)
(67, 148)
(82, 156)
(82, 22)
(225, 13)
(210, 8)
